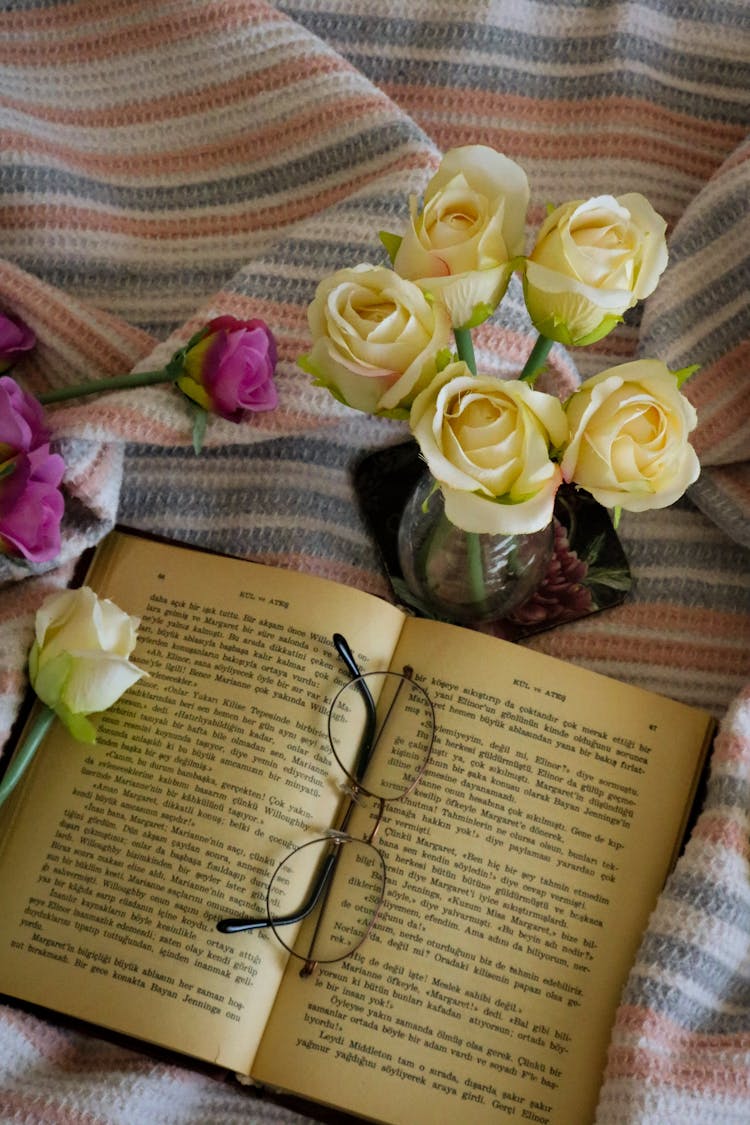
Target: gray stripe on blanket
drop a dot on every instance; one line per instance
(279, 178)
(704, 895)
(686, 1011)
(277, 497)
(596, 52)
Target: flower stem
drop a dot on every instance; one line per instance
(118, 383)
(537, 359)
(25, 752)
(465, 349)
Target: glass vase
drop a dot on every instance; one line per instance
(461, 576)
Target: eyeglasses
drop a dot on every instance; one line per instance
(381, 727)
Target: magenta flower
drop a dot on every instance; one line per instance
(31, 504)
(15, 339)
(228, 367)
(22, 423)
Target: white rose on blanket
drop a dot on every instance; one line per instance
(592, 261)
(79, 661)
(487, 443)
(461, 246)
(376, 339)
(629, 430)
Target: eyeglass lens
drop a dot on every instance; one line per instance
(348, 903)
(381, 727)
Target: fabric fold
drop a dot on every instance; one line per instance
(700, 314)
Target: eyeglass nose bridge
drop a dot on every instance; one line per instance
(355, 791)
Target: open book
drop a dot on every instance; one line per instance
(520, 871)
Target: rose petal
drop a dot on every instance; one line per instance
(474, 513)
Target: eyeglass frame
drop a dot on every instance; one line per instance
(339, 836)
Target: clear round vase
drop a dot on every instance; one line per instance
(461, 576)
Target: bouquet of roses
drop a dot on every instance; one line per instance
(397, 342)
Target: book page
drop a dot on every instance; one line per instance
(520, 875)
(118, 859)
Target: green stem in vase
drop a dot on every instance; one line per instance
(434, 542)
(537, 359)
(118, 383)
(23, 756)
(465, 350)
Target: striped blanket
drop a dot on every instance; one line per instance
(167, 160)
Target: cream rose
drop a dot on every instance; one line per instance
(592, 261)
(376, 338)
(460, 247)
(629, 431)
(79, 661)
(487, 444)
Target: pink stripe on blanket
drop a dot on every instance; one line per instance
(103, 343)
(728, 833)
(661, 1031)
(261, 80)
(159, 418)
(109, 42)
(505, 107)
(220, 156)
(35, 1107)
(722, 398)
(731, 748)
(689, 651)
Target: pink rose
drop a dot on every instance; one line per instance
(15, 339)
(22, 422)
(228, 368)
(31, 504)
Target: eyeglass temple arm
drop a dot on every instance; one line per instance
(367, 742)
(243, 925)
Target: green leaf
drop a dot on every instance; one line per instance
(479, 315)
(319, 378)
(396, 413)
(506, 499)
(593, 548)
(684, 373)
(391, 242)
(550, 208)
(195, 339)
(616, 513)
(443, 358)
(176, 365)
(616, 578)
(603, 329)
(428, 497)
(305, 364)
(78, 725)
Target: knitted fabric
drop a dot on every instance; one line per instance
(165, 161)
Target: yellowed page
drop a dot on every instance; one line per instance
(520, 876)
(117, 860)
